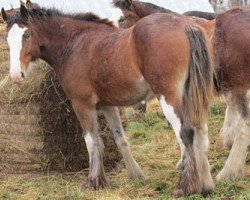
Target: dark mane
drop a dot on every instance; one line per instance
(153, 7)
(43, 13)
(126, 4)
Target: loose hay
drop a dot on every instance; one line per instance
(38, 128)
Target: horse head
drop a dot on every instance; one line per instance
(130, 16)
(23, 46)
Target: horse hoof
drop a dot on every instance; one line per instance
(220, 177)
(208, 189)
(96, 184)
(179, 164)
(137, 176)
(225, 174)
(177, 193)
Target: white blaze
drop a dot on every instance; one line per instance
(14, 40)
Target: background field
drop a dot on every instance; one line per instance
(154, 147)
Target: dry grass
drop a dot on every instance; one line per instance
(154, 147)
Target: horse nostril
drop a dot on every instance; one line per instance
(22, 74)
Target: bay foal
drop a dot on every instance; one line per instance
(99, 65)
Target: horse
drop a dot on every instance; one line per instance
(133, 11)
(231, 44)
(100, 65)
(225, 82)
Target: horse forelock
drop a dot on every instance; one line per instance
(16, 18)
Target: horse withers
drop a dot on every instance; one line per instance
(100, 65)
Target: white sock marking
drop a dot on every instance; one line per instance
(89, 142)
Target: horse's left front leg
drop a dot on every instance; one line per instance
(87, 116)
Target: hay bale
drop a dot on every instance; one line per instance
(38, 128)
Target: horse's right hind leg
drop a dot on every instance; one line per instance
(113, 118)
(189, 182)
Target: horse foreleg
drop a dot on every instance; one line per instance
(113, 118)
(87, 116)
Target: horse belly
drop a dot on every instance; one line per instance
(125, 94)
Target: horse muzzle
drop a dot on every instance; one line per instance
(17, 77)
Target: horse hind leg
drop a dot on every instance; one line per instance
(189, 182)
(234, 166)
(113, 118)
(201, 143)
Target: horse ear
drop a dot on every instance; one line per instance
(28, 4)
(4, 15)
(24, 12)
(123, 4)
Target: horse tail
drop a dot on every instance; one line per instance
(199, 83)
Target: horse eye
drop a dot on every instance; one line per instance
(27, 35)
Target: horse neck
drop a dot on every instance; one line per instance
(58, 38)
(142, 10)
(52, 37)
